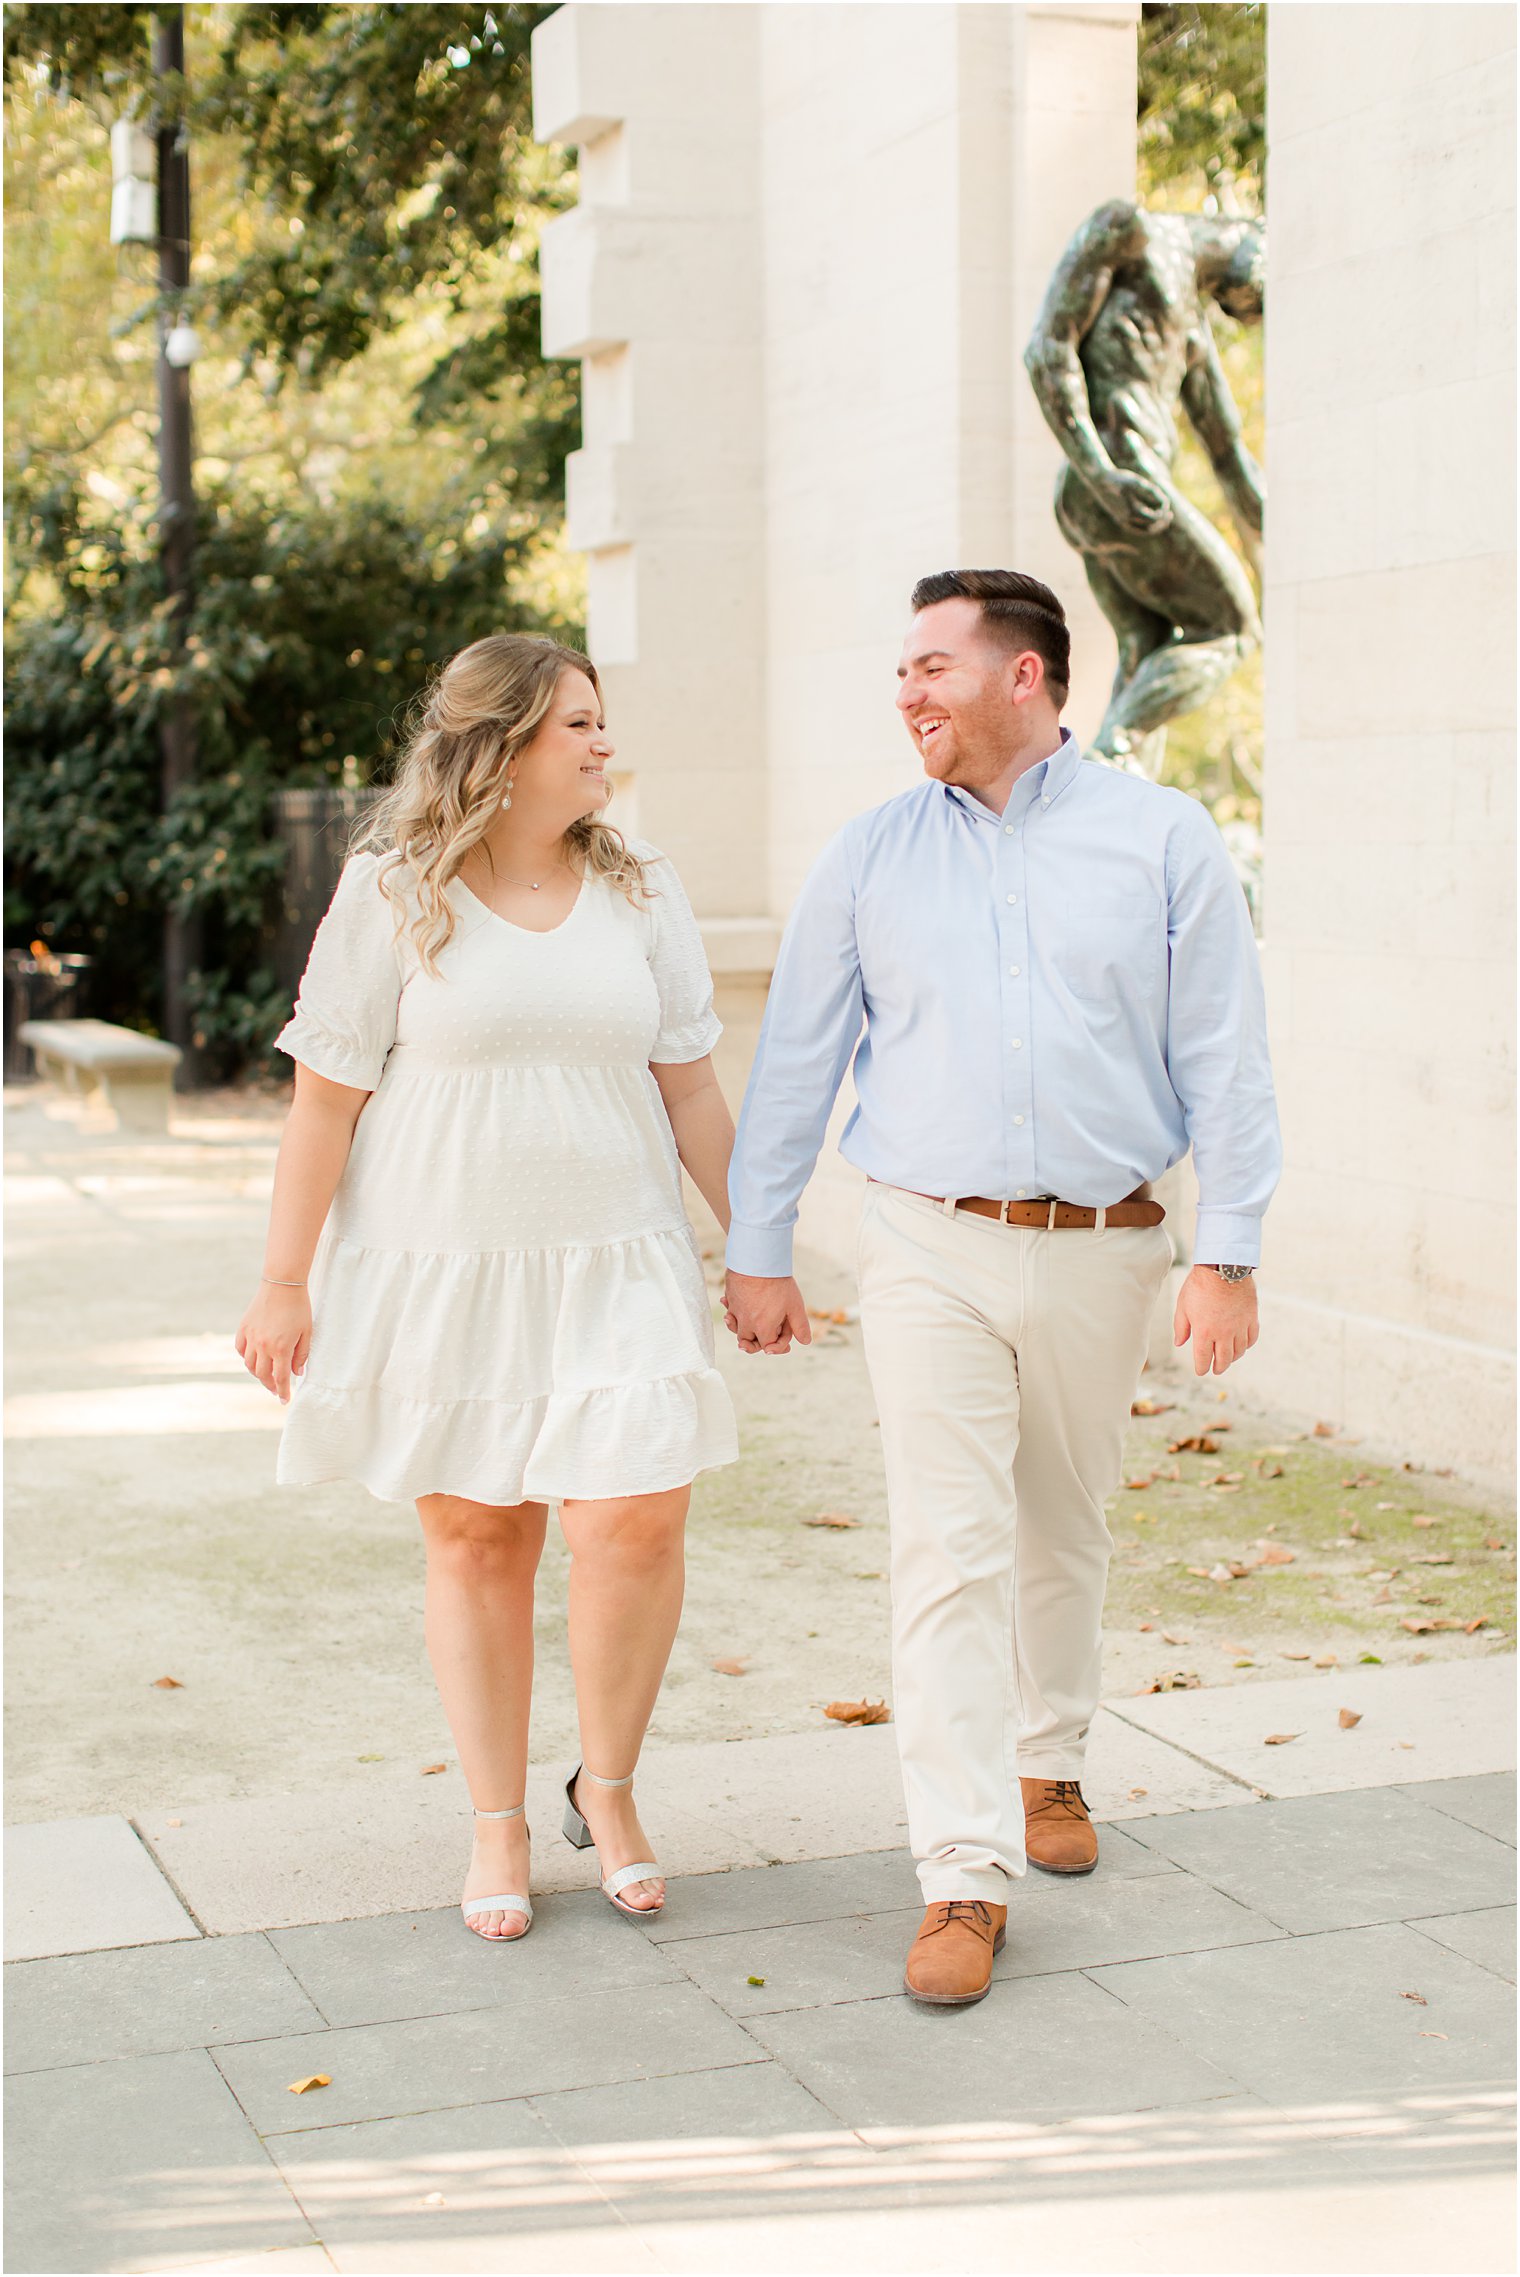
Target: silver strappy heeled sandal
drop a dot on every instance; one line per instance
(507, 1904)
(579, 1833)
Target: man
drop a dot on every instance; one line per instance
(1123, 347)
(1059, 988)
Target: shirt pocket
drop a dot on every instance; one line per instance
(1112, 944)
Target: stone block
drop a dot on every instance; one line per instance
(94, 2007)
(1485, 1800)
(1448, 1718)
(1312, 2019)
(893, 2063)
(381, 2071)
(79, 1885)
(1487, 1937)
(142, 2163)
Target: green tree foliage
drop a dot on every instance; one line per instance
(380, 447)
(1203, 97)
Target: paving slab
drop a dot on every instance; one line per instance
(80, 1885)
(397, 1843)
(90, 2007)
(1486, 1802)
(382, 2071)
(1339, 1861)
(648, 2128)
(825, 1889)
(284, 2261)
(1449, 1719)
(1038, 2047)
(142, 2163)
(611, 2251)
(495, 2165)
(427, 1964)
(1050, 1929)
(1487, 1937)
(1320, 2017)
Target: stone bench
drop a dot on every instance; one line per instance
(131, 1075)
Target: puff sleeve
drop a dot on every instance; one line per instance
(689, 1027)
(344, 1022)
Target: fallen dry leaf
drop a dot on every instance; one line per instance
(1146, 1628)
(729, 1667)
(1270, 1470)
(1227, 1481)
(1139, 1485)
(1383, 1597)
(435, 2198)
(1362, 1478)
(1416, 1624)
(834, 1518)
(1355, 1530)
(1136, 1792)
(431, 1770)
(1418, 1997)
(1434, 2035)
(1280, 1738)
(1175, 1680)
(1295, 1656)
(1198, 1443)
(858, 1711)
(174, 1822)
(1273, 1553)
(1471, 1628)
(1433, 1557)
(1168, 1638)
(837, 1315)
(1422, 1521)
(305, 2086)
(1201, 1571)
(1491, 1542)
(1151, 1406)
(1325, 1430)
(1325, 1660)
(754, 1980)
(1350, 1718)
(167, 1684)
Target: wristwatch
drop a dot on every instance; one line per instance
(1233, 1272)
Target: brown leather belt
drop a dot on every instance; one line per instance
(1043, 1210)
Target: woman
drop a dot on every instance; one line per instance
(502, 1044)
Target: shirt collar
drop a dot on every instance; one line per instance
(1046, 780)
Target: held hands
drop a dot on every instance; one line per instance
(1220, 1316)
(765, 1314)
(274, 1337)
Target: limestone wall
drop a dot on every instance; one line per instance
(1390, 754)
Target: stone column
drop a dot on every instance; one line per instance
(1390, 757)
(652, 280)
(922, 170)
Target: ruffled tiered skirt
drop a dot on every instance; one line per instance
(465, 1343)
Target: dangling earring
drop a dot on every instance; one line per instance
(507, 800)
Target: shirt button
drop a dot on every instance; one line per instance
(1018, 1119)
(1018, 1043)
(1044, 802)
(1013, 972)
(1008, 830)
(1022, 1194)
(1013, 897)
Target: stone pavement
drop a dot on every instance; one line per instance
(1272, 2033)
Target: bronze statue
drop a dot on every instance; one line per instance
(1123, 338)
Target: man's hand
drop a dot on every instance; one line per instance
(765, 1314)
(1220, 1316)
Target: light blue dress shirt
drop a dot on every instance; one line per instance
(1060, 999)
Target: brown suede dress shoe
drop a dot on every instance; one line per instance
(1059, 1837)
(950, 1960)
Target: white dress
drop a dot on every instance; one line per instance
(508, 1300)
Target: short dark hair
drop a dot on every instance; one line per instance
(1017, 610)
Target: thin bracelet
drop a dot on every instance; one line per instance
(281, 1284)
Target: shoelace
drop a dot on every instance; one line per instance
(1067, 1796)
(955, 1908)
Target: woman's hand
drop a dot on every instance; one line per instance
(274, 1337)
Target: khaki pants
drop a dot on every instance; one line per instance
(1004, 1361)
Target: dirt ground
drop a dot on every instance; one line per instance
(147, 1538)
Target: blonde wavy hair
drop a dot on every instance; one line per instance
(465, 729)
